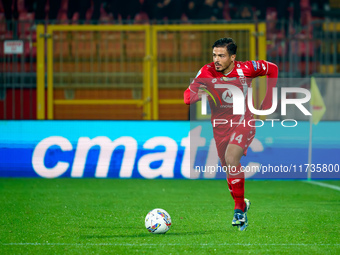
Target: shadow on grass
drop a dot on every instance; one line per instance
(106, 226)
(143, 235)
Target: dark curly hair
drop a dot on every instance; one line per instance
(228, 43)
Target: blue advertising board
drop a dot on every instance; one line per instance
(158, 149)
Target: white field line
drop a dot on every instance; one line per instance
(170, 244)
(324, 185)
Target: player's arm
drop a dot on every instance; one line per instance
(191, 97)
(272, 74)
(265, 68)
(194, 92)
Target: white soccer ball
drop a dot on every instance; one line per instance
(158, 221)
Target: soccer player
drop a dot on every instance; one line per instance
(233, 135)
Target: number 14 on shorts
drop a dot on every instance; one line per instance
(237, 138)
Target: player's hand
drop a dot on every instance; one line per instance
(201, 91)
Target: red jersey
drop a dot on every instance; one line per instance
(221, 101)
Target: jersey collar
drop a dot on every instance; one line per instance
(231, 70)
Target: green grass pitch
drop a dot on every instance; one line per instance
(99, 216)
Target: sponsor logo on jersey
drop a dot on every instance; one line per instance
(226, 106)
(228, 79)
(254, 64)
(227, 96)
(240, 72)
(242, 78)
(214, 80)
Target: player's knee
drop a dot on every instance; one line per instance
(232, 160)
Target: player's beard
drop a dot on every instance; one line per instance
(222, 71)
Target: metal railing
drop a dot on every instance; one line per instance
(305, 50)
(17, 71)
(179, 51)
(90, 70)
